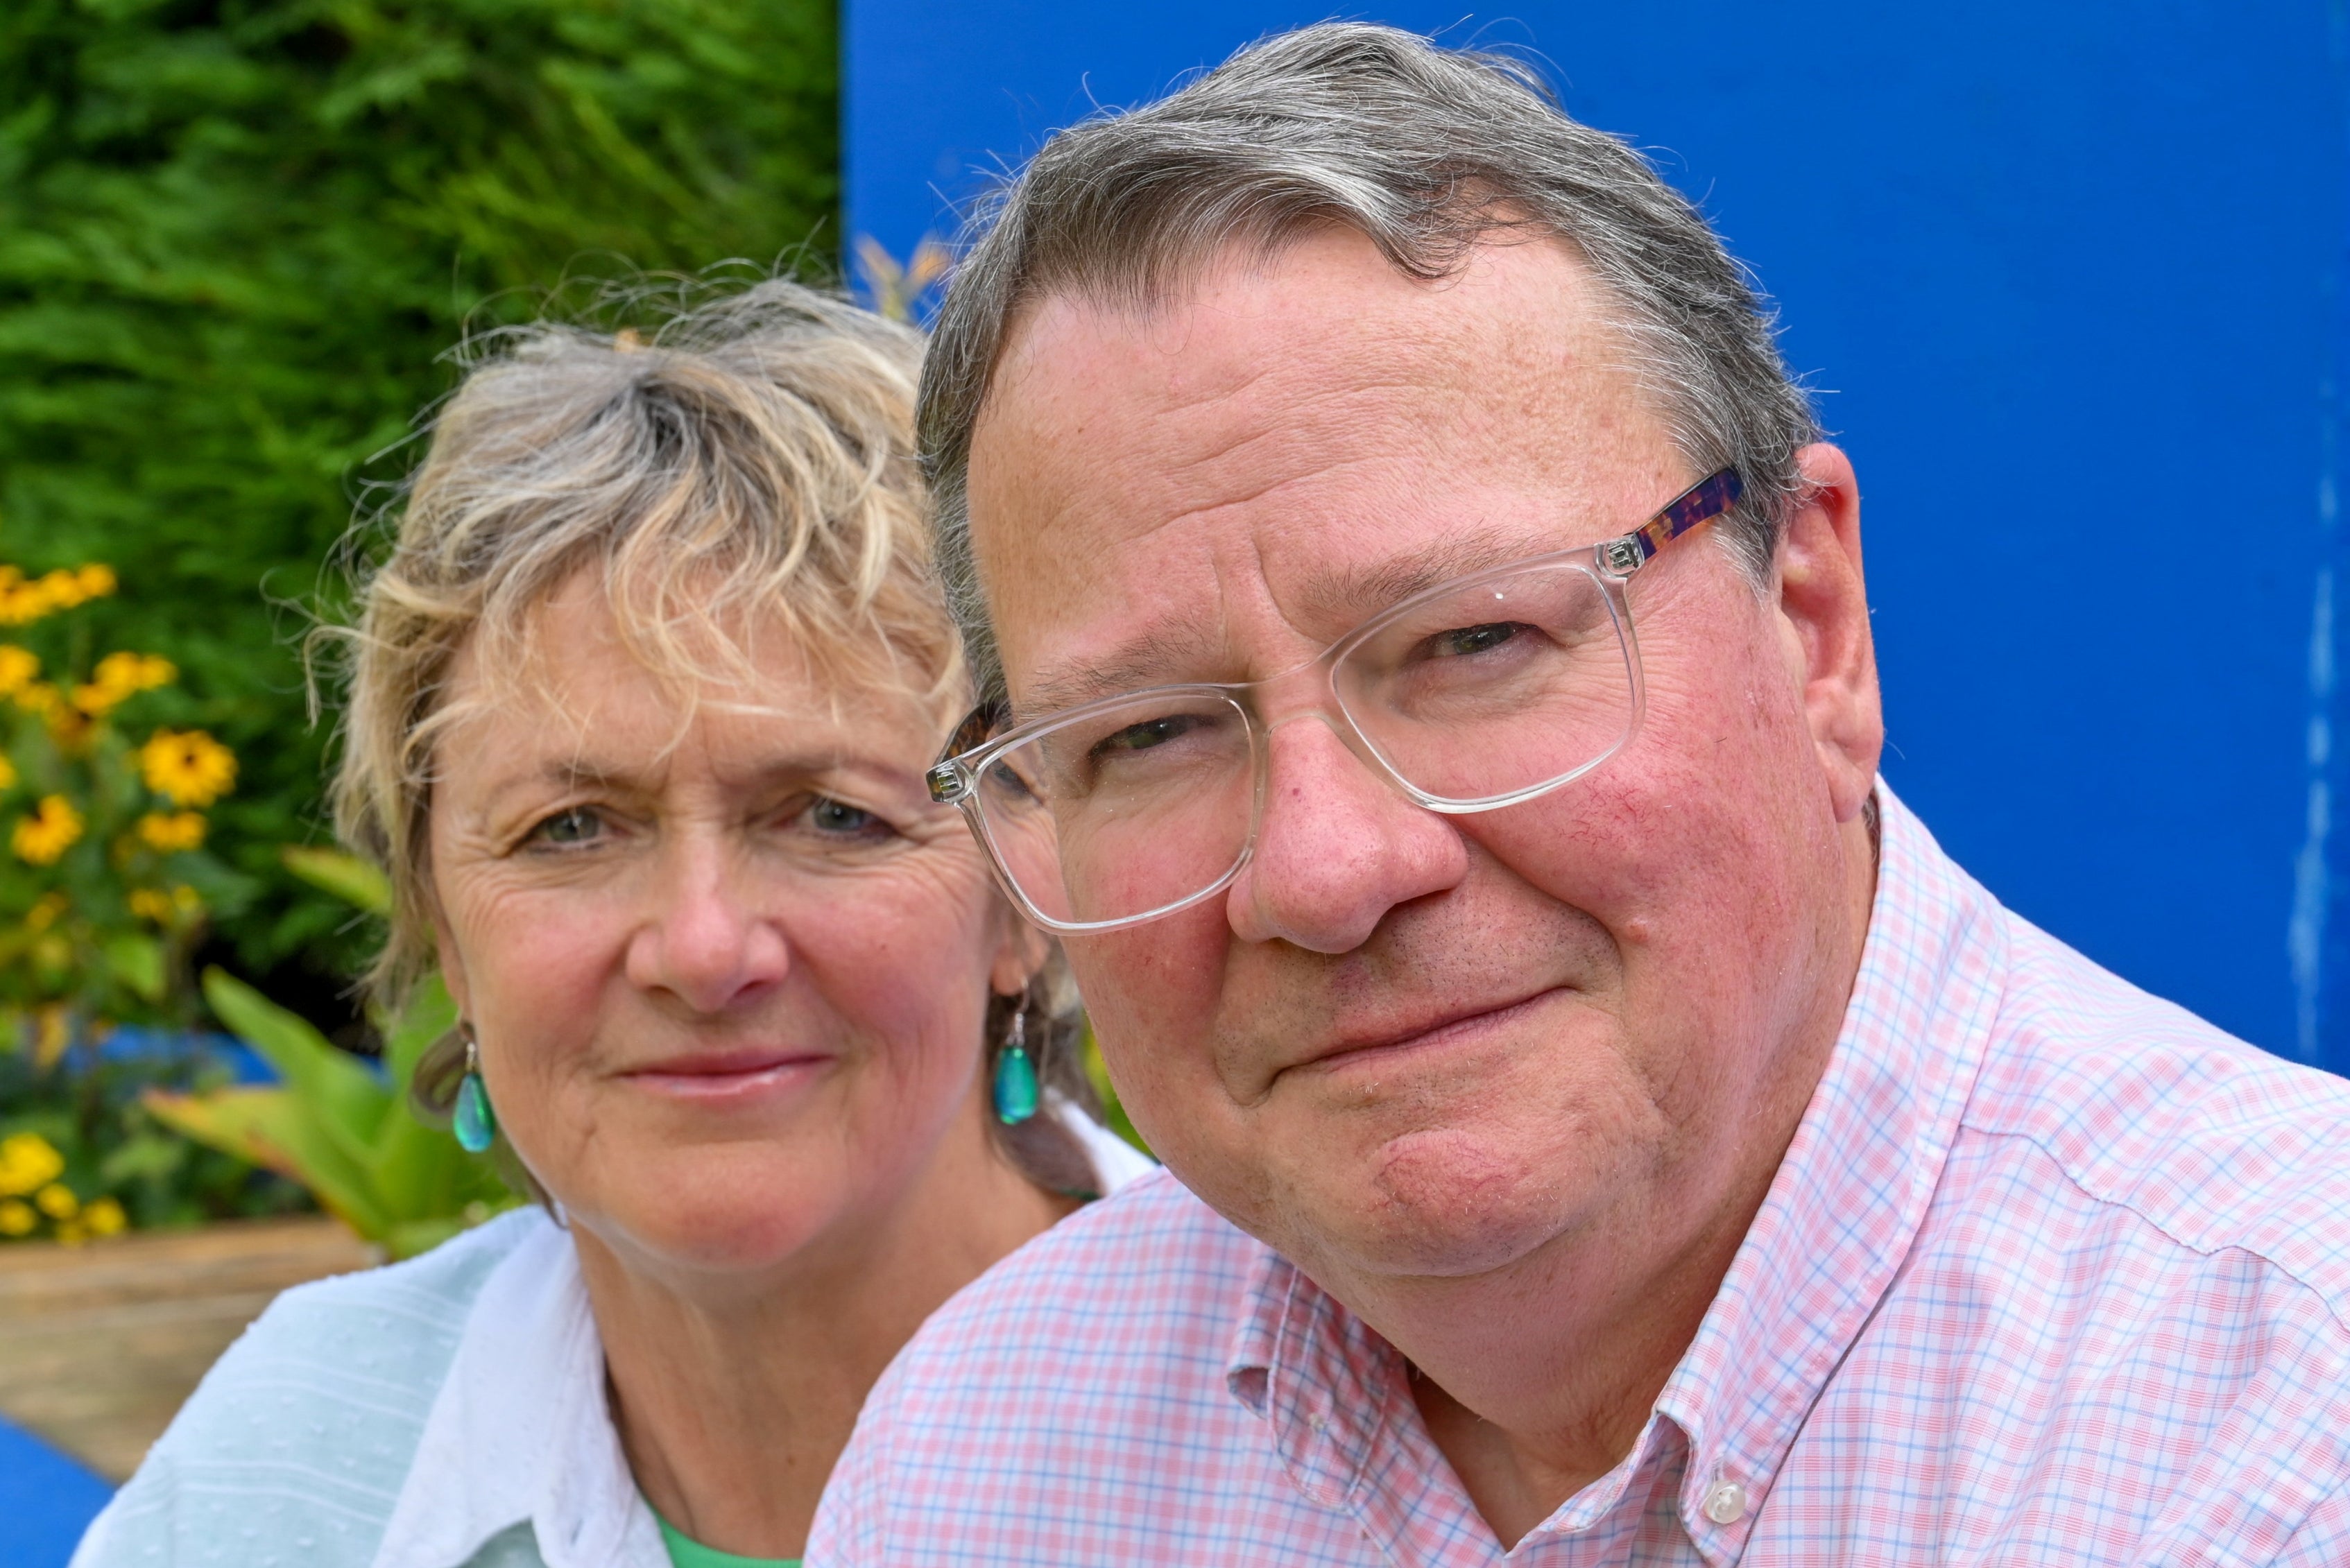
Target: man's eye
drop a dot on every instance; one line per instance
(1150, 733)
(1468, 640)
(576, 825)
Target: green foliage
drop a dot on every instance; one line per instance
(115, 1164)
(345, 876)
(235, 235)
(341, 1127)
(1113, 1112)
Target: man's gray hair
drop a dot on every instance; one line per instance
(1428, 151)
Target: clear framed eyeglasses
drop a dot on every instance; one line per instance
(1481, 692)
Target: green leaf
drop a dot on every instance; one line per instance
(428, 1016)
(270, 1127)
(137, 960)
(146, 1156)
(341, 1095)
(346, 876)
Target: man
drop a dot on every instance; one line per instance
(1608, 1127)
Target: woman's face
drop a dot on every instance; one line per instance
(728, 978)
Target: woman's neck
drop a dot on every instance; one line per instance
(733, 1396)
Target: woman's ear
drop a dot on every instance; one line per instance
(1021, 953)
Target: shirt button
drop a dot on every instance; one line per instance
(1726, 1502)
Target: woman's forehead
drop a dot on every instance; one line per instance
(577, 682)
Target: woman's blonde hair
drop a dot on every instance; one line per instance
(748, 468)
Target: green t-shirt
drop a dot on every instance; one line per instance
(684, 1551)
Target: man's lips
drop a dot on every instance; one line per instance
(1453, 1028)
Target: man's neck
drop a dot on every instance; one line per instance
(1534, 1383)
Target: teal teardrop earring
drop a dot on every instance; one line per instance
(1015, 1076)
(474, 1123)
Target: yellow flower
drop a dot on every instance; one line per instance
(58, 1202)
(16, 1218)
(17, 667)
(23, 600)
(166, 909)
(20, 601)
(7, 774)
(42, 838)
(72, 1232)
(120, 676)
(36, 696)
(135, 671)
(45, 911)
(29, 1162)
(105, 1217)
(171, 832)
(187, 766)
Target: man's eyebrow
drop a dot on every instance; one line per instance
(1144, 660)
(1342, 597)
(1338, 600)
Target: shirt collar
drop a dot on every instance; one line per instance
(1849, 1197)
(521, 1430)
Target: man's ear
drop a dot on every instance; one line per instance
(1824, 606)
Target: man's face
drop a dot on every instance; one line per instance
(1402, 1044)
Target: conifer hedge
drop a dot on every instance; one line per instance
(236, 237)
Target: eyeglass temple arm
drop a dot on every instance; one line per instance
(1701, 502)
(948, 779)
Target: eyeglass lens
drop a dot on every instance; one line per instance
(1471, 696)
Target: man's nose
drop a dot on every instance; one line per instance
(1338, 848)
(705, 941)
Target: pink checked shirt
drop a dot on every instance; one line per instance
(2053, 1272)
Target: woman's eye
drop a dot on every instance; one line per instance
(834, 816)
(576, 825)
(1468, 640)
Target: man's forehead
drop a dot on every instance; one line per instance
(1319, 421)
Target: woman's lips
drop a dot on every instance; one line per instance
(735, 1076)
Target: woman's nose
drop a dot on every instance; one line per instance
(1338, 848)
(707, 940)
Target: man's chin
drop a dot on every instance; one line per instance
(1442, 1205)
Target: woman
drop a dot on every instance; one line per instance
(640, 705)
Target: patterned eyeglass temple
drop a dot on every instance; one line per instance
(1708, 499)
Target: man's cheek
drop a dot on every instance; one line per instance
(1151, 1003)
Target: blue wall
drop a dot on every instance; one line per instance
(2064, 278)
